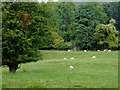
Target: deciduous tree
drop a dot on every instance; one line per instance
(106, 36)
(26, 27)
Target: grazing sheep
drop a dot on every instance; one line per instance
(98, 50)
(71, 58)
(69, 50)
(65, 58)
(71, 67)
(105, 50)
(85, 50)
(109, 50)
(93, 57)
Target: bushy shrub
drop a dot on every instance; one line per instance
(64, 46)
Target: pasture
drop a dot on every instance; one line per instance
(53, 71)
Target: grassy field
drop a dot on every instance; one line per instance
(0, 78)
(53, 71)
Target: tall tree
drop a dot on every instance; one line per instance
(106, 36)
(0, 34)
(87, 17)
(113, 11)
(66, 12)
(25, 28)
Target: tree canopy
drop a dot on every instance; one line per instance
(26, 27)
(87, 17)
(106, 35)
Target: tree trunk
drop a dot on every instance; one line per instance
(13, 68)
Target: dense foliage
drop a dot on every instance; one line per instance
(79, 20)
(0, 47)
(106, 36)
(87, 17)
(66, 12)
(26, 27)
(112, 10)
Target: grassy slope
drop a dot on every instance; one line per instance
(53, 71)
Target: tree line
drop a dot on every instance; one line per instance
(30, 26)
(79, 23)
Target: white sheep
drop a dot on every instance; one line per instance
(71, 67)
(105, 50)
(109, 50)
(85, 50)
(93, 57)
(65, 58)
(98, 50)
(69, 50)
(72, 58)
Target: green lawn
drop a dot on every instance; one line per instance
(53, 71)
(0, 78)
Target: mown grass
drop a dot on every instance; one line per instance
(53, 71)
(0, 78)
